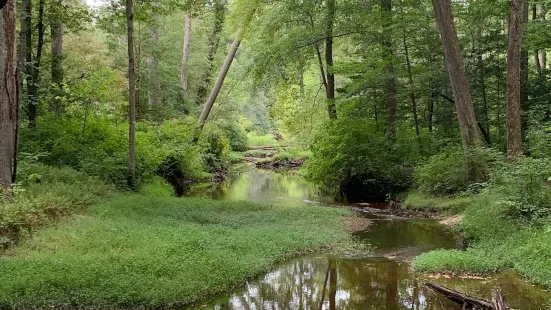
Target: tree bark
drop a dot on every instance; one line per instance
(536, 51)
(412, 95)
(131, 96)
(214, 41)
(458, 77)
(514, 58)
(218, 85)
(57, 31)
(330, 90)
(388, 57)
(186, 52)
(154, 89)
(8, 92)
(32, 88)
(542, 54)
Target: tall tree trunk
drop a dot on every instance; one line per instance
(388, 56)
(214, 41)
(514, 58)
(8, 92)
(35, 70)
(218, 85)
(542, 53)
(57, 31)
(330, 90)
(186, 53)
(412, 95)
(458, 77)
(131, 96)
(536, 52)
(154, 89)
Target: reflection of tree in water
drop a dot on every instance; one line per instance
(264, 185)
(349, 284)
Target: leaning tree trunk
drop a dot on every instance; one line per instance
(214, 41)
(131, 96)
(330, 89)
(186, 53)
(218, 85)
(514, 125)
(57, 31)
(8, 92)
(458, 77)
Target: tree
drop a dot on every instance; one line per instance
(218, 84)
(154, 89)
(186, 52)
(57, 31)
(131, 95)
(388, 58)
(458, 77)
(34, 64)
(214, 41)
(514, 124)
(8, 92)
(330, 89)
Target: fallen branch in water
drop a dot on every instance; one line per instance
(468, 302)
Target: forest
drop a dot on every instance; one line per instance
(209, 154)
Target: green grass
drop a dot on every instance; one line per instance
(497, 242)
(152, 251)
(261, 140)
(446, 205)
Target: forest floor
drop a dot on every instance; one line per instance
(150, 250)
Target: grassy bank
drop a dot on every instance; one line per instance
(150, 250)
(507, 226)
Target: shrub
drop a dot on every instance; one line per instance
(236, 135)
(45, 194)
(261, 140)
(360, 160)
(446, 173)
(215, 149)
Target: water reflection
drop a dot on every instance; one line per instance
(375, 283)
(263, 186)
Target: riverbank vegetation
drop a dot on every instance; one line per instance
(158, 251)
(436, 105)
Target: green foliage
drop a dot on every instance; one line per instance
(179, 251)
(446, 173)
(261, 140)
(358, 158)
(43, 195)
(448, 205)
(539, 140)
(455, 262)
(215, 149)
(236, 135)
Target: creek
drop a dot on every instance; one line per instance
(382, 280)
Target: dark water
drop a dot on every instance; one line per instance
(383, 280)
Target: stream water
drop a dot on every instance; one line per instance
(383, 280)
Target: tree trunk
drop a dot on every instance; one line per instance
(214, 41)
(36, 63)
(218, 85)
(524, 70)
(8, 92)
(542, 53)
(412, 95)
(458, 77)
(131, 96)
(514, 58)
(388, 57)
(154, 89)
(536, 52)
(330, 90)
(186, 53)
(57, 31)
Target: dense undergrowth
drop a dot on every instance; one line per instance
(507, 219)
(151, 250)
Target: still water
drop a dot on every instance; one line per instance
(383, 280)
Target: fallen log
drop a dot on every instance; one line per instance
(468, 302)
